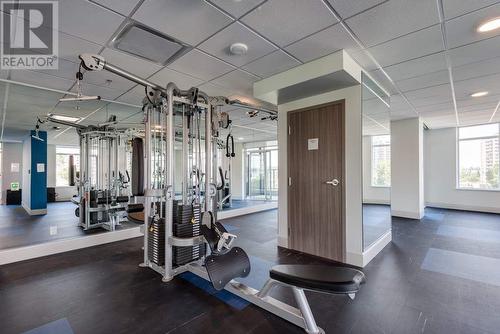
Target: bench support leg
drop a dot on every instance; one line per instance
(310, 323)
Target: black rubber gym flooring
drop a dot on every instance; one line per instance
(436, 277)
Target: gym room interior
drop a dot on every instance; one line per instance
(249, 166)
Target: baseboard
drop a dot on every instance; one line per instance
(463, 207)
(247, 210)
(17, 254)
(407, 214)
(354, 259)
(282, 241)
(376, 247)
(35, 212)
(376, 201)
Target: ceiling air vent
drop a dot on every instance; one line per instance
(146, 43)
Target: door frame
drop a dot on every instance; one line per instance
(343, 173)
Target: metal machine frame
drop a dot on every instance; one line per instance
(165, 104)
(103, 193)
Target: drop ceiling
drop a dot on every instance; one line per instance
(403, 36)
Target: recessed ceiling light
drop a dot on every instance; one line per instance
(479, 94)
(238, 49)
(240, 138)
(489, 25)
(65, 118)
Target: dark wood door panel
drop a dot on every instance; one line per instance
(316, 217)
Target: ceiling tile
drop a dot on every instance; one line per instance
(75, 14)
(439, 121)
(479, 51)
(133, 96)
(190, 21)
(182, 81)
(135, 65)
(411, 46)
(473, 70)
(41, 79)
(445, 107)
(416, 67)
(238, 80)
(70, 47)
(393, 19)
(271, 64)
(453, 8)
(121, 6)
(348, 8)
(66, 69)
(218, 45)
(489, 83)
(237, 8)
(423, 81)
(215, 90)
(286, 21)
(200, 65)
(106, 92)
(428, 96)
(322, 43)
(463, 30)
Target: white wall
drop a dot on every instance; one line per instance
(441, 176)
(407, 178)
(372, 195)
(353, 184)
(12, 153)
(51, 165)
(26, 173)
(63, 193)
(237, 172)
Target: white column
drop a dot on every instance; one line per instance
(407, 168)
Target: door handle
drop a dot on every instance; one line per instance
(333, 182)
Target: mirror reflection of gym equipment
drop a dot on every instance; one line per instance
(257, 166)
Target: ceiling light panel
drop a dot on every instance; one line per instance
(490, 25)
(66, 118)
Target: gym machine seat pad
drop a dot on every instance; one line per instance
(223, 268)
(329, 279)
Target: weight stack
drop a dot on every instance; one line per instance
(186, 225)
(156, 242)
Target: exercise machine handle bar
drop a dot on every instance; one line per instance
(93, 62)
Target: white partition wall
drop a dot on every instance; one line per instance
(407, 170)
(287, 90)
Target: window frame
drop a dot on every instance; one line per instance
(457, 162)
(372, 145)
(66, 154)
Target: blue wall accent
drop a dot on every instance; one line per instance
(38, 180)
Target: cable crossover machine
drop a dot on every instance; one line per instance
(182, 232)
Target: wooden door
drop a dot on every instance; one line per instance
(316, 156)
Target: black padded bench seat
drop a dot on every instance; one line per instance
(330, 279)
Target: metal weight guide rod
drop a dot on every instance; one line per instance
(163, 104)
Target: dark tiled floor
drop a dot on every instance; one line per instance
(238, 204)
(376, 222)
(102, 290)
(18, 228)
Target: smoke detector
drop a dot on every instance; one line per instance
(238, 49)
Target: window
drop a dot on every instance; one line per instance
(67, 165)
(262, 173)
(381, 161)
(478, 157)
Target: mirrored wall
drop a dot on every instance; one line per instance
(376, 162)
